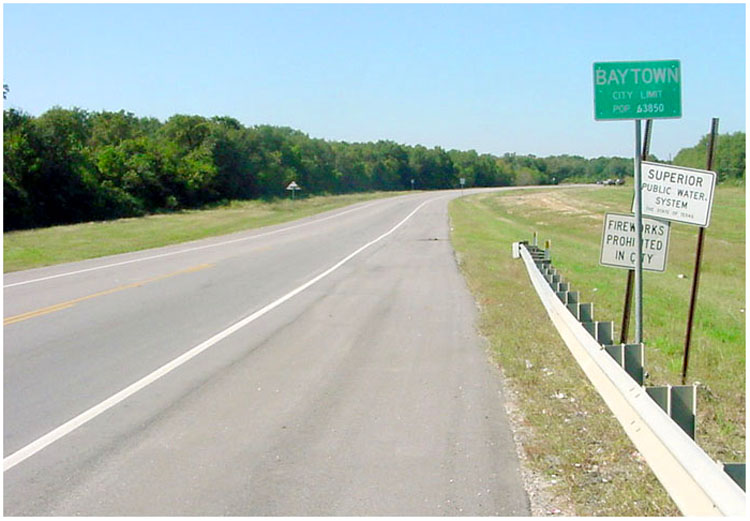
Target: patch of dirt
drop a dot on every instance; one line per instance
(554, 201)
(544, 501)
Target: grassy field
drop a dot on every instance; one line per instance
(574, 440)
(46, 246)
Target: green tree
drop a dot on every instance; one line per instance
(729, 156)
(234, 175)
(62, 182)
(19, 158)
(112, 128)
(433, 169)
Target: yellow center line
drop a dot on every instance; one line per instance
(71, 303)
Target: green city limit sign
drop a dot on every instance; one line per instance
(637, 90)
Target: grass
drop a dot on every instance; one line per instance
(46, 246)
(575, 441)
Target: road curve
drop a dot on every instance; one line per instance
(328, 366)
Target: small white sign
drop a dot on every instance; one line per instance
(462, 181)
(293, 186)
(619, 242)
(677, 193)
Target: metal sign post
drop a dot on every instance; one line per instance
(639, 237)
(698, 258)
(625, 326)
(637, 91)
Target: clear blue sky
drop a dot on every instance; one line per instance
(495, 78)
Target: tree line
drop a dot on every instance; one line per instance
(71, 165)
(729, 156)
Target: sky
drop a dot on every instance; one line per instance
(495, 78)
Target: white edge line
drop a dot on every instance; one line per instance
(196, 248)
(88, 415)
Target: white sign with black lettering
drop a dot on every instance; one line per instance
(677, 193)
(619, 242)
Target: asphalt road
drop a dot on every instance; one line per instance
(328, 366)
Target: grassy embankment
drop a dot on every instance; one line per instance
(46, 246)
(574, 440)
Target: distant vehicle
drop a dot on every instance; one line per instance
(619, 181)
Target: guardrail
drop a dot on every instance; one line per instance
(659, 421)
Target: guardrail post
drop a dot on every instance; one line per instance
(605, 332)
(567, 296)
(629, 357)
(683, 402)
(601, 331)
(586, 312)
(660, 395)
(575, 309)
(617, 352)
(736, 471)
(679, 402)
(634, 361)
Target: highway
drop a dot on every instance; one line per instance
(327, 366)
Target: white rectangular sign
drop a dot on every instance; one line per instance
(619, 242)
(677, 193)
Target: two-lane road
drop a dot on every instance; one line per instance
(328, 366)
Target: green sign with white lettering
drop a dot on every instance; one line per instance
(637, 90)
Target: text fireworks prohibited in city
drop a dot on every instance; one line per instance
(619, 242)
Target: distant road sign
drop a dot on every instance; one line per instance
(619, 242)
(677, 193)
(637, 90)
(293, 186)
(462, 180)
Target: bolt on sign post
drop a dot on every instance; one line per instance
(625, 326)
(637, 90)
(699, 254)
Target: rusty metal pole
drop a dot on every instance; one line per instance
(698, 258)
(637, 207)
(626, 308)
(631, 273)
